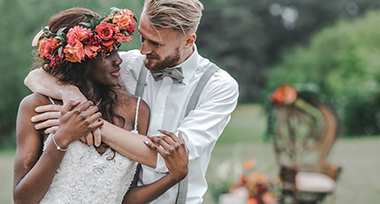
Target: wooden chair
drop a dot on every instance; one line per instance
(303, 134)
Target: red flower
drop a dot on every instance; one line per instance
(284, 95)
(122, 38)
(107, 32)
(48, 46)
(56, 60)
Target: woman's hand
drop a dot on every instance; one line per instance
(48, 118)
(174, 151)
(77, 120)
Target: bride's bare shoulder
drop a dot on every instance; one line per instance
(34, 100)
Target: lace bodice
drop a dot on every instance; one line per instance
(84, 176)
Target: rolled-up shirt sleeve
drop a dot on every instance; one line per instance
(203, 126)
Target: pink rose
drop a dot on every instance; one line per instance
(76, 33)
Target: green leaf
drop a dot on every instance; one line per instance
(93, 24)
(60, 51)
(90, 16)
(60, 31)
(47, 32)
(114, 9)
(86, 24)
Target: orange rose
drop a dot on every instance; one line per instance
(121, 21)
(74, 53)
(92, 51)
(107, 32)
(284, 95)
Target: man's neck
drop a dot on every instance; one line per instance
(186, 54)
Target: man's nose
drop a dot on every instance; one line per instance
(145, 48)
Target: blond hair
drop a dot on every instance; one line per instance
(178, 15)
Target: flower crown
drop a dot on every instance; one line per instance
(102, 35)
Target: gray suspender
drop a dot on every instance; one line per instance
(182, 185)
(141, 82)
(199, 88)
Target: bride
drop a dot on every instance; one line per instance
(80, 48)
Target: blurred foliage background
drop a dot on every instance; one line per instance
(333, 44)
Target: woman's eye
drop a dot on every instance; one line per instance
(108, 54)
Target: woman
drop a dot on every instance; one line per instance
(80, 48)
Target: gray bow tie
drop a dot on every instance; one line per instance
(174, 72)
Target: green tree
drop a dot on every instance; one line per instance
(344, 61)
(246, 37)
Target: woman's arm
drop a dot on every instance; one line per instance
(34, 169)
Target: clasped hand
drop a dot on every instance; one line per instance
(174, 151)
(75, 116)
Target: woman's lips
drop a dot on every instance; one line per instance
(116, 73)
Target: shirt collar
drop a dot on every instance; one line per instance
(189, 65)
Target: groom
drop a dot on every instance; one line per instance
(168, 51)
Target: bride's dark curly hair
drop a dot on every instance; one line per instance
(79, 74)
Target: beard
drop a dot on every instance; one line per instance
(160, 65)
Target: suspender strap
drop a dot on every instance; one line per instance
(141, 82)
(183, 185)
(199, 88)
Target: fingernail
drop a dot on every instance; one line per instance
(36, 126)
(146, 142)
(37, 109)
(33, 119)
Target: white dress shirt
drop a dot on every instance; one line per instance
(201, 128)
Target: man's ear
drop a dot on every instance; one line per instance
(190, 40)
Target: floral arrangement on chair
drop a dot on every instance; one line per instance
(303, 126)
(258, 187)
(243, 181)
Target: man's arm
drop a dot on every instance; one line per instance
(39, 81)
(129, 144)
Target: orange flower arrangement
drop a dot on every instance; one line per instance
(257, 185)
(283, 95)
(102, 35)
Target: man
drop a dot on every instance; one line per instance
(167, 29)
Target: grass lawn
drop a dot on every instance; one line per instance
(359, 182)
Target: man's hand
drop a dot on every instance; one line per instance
(48, 118)
(174, 151)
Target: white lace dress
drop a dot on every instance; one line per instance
(84, 176)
